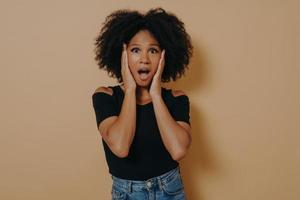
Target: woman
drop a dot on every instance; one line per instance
(145, 128)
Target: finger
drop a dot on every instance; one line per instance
(126, 56)
(163, 57)
(161, 62)
(123, 56)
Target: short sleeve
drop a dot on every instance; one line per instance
(104, 106)
(181, 109)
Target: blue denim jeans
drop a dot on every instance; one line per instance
(168, 186)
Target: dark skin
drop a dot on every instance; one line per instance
(176, 135)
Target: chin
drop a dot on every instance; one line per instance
(145, 83)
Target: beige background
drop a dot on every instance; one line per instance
(243, 85)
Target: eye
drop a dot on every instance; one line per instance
(154, 50)
(134, 50)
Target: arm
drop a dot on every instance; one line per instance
(118, 132)
(175, 135)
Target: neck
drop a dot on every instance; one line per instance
(142, 93)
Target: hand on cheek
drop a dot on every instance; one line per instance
(127, 76)
(155, 88)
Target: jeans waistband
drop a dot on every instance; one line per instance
(129, 185)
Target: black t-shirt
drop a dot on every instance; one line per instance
(147, 156)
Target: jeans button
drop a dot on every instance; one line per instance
(149, 184)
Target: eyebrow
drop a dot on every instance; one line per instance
(149, 44)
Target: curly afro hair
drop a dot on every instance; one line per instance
(121, 25)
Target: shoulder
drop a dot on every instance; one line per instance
(177, 93)
(104, 89)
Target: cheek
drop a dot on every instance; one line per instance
(132, 63)
(155, 62)
(132, 59)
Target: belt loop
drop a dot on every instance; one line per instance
(129, 186)
(159, 183)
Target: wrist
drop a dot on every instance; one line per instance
(130, 90)
(156, 97)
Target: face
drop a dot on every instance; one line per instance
(143, 55)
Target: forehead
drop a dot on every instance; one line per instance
(143, 37)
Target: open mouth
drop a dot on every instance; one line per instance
(143, 71)
(144, 74)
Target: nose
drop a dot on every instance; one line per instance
(144, 58)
